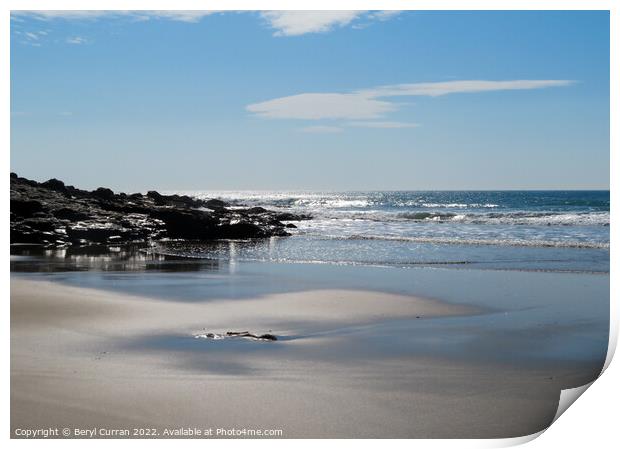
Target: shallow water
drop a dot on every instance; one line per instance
(529, 317)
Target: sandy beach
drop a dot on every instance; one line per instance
(306, 224)
(85, 358)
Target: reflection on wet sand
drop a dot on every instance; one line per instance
(131, 258)
(163, 256)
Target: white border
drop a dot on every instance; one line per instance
(591, 422)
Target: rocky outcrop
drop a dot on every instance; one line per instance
(52, 213)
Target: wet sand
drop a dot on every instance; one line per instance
(85, 358)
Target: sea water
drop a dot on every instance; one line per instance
(520, 230)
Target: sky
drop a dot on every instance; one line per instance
(332, 100)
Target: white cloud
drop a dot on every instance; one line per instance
(322, 106)
(371, 104)
(76, 40)
(374, 124)
(295, 23)
(32, 38)
(321, 129)
(454, 87)
(179, 16)
(50, 15)
(62, 14)
(285, 23)
(384, 15)
(182, 16)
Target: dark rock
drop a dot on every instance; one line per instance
(187, 224)
(243, 230)
(24, 207)
(72, 191)
(154, 194)
(268, 337)
(54, 184)
(103, 193)
(41, 224)
(66, 213)
(29, 182)
(97, 235)
(256, 210)
(23, 234)
(215, 204)
(156, 197)
(52, 213)
(41, 214)
(182, 201)
(287, 216)
(290, 225)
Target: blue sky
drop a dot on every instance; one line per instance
(316, 101)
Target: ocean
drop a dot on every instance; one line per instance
(507, 230)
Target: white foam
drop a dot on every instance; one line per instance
(473, 241)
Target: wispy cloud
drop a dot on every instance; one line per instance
(89, 15)
(322, 106)
(47, 15)
(76, 40)
(372, 104)
(57, 14)
(384, 15)
(296, 23)
(30, 37)
(284, 23)
(456, 87)
(321, 129)
(181, 16)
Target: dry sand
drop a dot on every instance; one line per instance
(83, 358)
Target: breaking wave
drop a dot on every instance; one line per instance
(507, 218)
(532, 219)
(473, 241)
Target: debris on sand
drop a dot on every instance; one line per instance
(231, 334)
